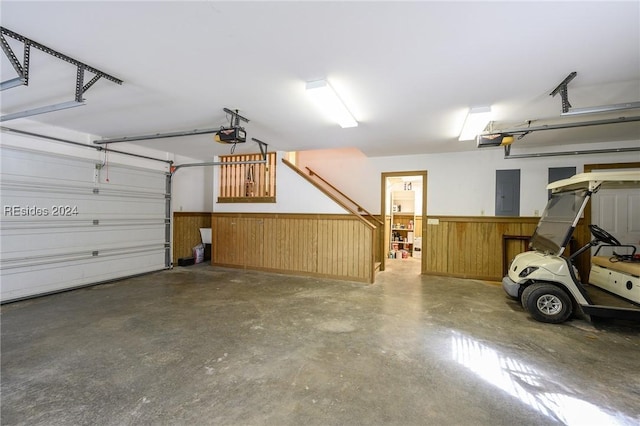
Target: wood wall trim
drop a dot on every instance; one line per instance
(191, 214)
(287, 215)
(333, 246)
(339, 247)
(469, 247)
(486, 219)
(472, 247)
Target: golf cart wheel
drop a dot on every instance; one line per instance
(525, 295)
(547, 303)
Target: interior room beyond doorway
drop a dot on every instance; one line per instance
(404, 200)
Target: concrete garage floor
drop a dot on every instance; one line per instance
(203, 345)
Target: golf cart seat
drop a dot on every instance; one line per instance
(608, 262)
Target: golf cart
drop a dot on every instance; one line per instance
(547, 283)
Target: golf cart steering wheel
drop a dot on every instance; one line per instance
(602, 235)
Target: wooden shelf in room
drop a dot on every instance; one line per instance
(402, 222)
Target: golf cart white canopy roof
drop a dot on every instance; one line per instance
(596, 180)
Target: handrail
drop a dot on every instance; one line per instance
(338, 201)
(360, 208)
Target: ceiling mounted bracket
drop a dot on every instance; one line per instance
(568, 110)
(263, 148)
(235, 117)
(56, 54)
(562, 89)
(21, 69)
(23, 73)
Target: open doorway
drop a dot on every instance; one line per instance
(404, 206)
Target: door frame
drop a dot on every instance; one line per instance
(383, 213)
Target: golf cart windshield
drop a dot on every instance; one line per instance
(558, 221)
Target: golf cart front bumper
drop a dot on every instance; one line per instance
(510, 287)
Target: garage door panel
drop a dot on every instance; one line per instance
(31, 166)
(66, 210)
(18, 243)
(63, 258)
(83, 202)
(64, 225)
(47, 278)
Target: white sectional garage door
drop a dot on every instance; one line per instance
(69, 221)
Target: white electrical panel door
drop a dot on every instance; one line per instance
(69, 221)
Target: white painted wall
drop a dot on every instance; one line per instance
(293, 195)
(192, 187)
(459, 184)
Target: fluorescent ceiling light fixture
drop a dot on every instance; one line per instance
(327, 99)
(476, 121)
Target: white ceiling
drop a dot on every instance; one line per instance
(408, 70)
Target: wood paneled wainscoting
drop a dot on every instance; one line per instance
(327, 245)
(186, 232)
(472, 247)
